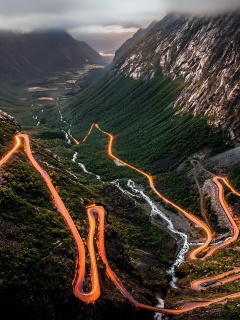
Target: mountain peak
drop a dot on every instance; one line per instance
(204, 52)
(40, 52)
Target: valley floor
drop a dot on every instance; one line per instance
(136, 247)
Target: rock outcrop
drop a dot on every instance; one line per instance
(8, 119)
(205, 53)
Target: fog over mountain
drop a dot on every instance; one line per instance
(119, 182)
(203, 6)
(113, 22)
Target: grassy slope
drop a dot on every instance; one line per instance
(148, 132)
(37, 249)
(140, 115)
(150, 135)
(6, 134)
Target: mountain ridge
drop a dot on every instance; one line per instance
(131, 41)
(204, 52)
(31, 55)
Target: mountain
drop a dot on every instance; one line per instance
(146, 101)
(8, 126)
(182, 75)
(202, 51)
(32, 55)
(130, 42)
(38, 251)
(172, 101)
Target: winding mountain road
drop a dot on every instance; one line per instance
(92, 210)
(81, 261)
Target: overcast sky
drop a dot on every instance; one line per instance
(92, 20)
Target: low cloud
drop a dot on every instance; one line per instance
(67, 14)
(202, 6)
(98, 17)
(73, 14)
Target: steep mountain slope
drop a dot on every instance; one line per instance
(204, 52)
(140, 113)
(130, 42)
(32, 55)
(147, 94)
(8, 126)
(38, 253)
(147, 101)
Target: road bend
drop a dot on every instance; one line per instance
(220, 279)
(11, 152)
(94, 293)
(92, 210)
(228, 213)
(190, 216)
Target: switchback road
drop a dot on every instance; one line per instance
(93, 210)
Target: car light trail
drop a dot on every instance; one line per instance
(89, 132)
(195, 220)
(95, 292)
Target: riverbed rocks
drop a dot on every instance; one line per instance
(211, 190)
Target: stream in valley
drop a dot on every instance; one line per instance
(138, 192)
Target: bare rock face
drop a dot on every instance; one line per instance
(205, 53)
(8, 119)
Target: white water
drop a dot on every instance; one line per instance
(36, 118)
(155, 211)
(159, 316)
(74, 158)
(86, 171)
(61, 115)
(67, 137)
(129, 194)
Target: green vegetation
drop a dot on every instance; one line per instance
(150, 134)
(180, 187)
(6, 136)
(37, 252)
(234, 176)
(148, 131)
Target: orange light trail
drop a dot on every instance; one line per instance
(195, 220)
(228, 213)
(80, 264)
(89, 132)
(187, 307)
(224, 277)
(76, 141)
(94, 293)
(11, 152)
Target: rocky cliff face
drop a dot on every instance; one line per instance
(130, 42)
(8, 127)
(6, 118)
(205, 53)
